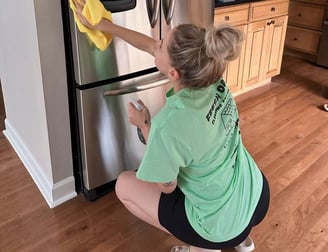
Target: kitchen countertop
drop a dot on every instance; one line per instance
(222, 3)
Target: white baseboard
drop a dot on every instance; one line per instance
(54, 194)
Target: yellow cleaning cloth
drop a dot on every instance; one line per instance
(93, 11)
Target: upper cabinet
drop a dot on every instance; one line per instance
(264, 24)
(305, 24)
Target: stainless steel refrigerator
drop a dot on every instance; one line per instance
(101, 83)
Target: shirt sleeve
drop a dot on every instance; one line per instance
(163, 158)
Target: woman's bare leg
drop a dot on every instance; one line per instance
(139, 197)
(142, 199)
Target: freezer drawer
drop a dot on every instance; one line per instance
(109, 144)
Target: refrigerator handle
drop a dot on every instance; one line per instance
(135, 86)
(153, 11)
(168, 9)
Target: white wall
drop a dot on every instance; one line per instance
(33, 77)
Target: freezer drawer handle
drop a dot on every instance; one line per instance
(136, 87)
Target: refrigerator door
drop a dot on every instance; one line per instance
(146, 16)
(109, 143)
(175, 12)
(119, 59)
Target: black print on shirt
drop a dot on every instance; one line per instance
(227, 116)
(217, 102)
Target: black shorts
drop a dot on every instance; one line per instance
(172, 216)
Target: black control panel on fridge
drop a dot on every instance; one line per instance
(119, 5)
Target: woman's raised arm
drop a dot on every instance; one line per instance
(134, 38)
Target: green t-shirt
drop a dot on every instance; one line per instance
(196, 139)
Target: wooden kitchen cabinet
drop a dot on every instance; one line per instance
(304, 29)
(265, 41)
(306, 15)
(303, 40)
(253, 54)
(233, 15)
(266, 9)
(264, 24)
(237, 16)
(234, 71)
(275, 34)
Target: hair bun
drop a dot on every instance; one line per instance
(223, 42)
(200, 56)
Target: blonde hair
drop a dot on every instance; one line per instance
(200, 56)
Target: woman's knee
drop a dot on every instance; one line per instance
(123, 184)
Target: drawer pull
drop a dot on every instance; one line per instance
(226, 18)
(271, 22)
(295, 39)
(273, 9)
(299, 14)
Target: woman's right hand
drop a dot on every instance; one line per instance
(79, 5)
(140, 118)
(134, 38)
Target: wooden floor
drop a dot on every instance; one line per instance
(284, 129)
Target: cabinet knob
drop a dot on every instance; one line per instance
(299, 14)
(273, 9)
(226, 18)
(295, 39)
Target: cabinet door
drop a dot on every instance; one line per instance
(264, 49)
(275, 33)
(234, 71)
(254, 53)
